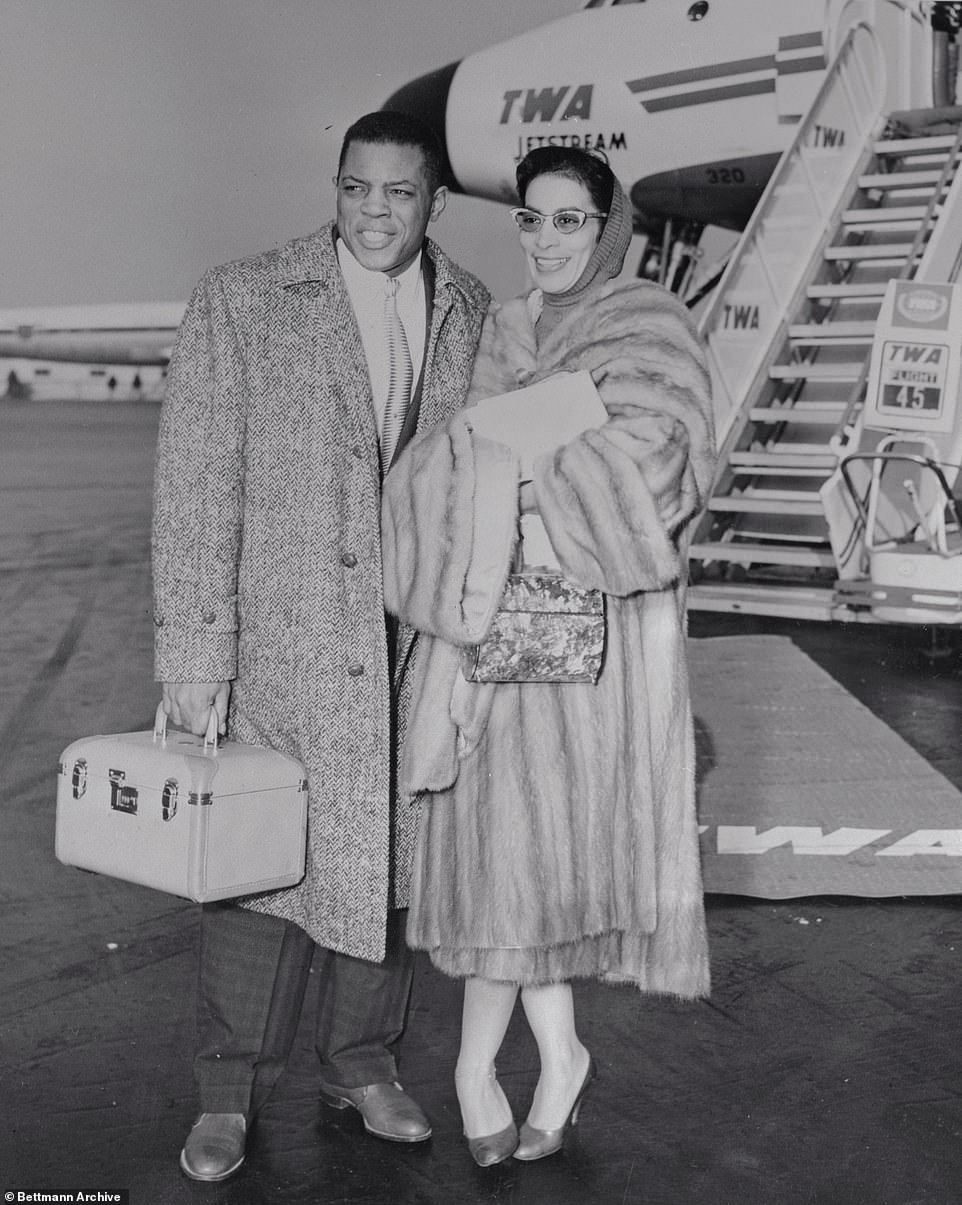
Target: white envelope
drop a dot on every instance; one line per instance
(533, 421)
(541, 417)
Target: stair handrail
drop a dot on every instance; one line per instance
(831, 80)
(928, 218)
(804, 128)
(906, 272)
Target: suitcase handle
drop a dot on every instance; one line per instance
(160, 727)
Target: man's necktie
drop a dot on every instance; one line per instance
(401, 376)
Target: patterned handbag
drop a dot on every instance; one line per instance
(546, 629)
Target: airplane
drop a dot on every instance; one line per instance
(140, 334)
(693, 101)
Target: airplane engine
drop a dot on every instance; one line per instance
(427, 97)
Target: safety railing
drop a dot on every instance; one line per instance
(792, 223)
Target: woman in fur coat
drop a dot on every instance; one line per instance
(558, 836)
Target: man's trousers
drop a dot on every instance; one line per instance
(253, 975)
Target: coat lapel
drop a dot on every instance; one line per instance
(317, 298)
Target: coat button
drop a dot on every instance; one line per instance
(356, 669)
(357, 452)
(349, 560)
(209, 616)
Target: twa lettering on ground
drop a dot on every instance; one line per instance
(803, 791)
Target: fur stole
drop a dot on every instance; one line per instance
(651, 464)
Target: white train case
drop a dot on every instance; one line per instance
(181, 813)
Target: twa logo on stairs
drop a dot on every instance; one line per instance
(741, 317)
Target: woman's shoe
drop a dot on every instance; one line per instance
(537, 1144)
(490, 1148)
(494, 1148)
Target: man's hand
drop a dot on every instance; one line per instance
(188, 704)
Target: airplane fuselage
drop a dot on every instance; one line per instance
(692, 103)
(140, 334)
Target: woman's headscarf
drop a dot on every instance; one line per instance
(606, 262)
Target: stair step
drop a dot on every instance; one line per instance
(760, 503)
(911, 196)
(783, 462)
(765, 535)
(801, 342)
(763, 554)
(896, 252)
(842, 331)
(799, 602)
(895, 213)
(751, 469)
(803, 449)
(823, 405)
(816, 371)
(910, 146)
(796, 414)
(906, 226)
(870, 290)
(935, 159)
(767, 494)
(893, 180)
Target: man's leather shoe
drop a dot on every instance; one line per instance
(214, 1148)
(387, 1110)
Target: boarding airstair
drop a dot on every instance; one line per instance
(856, 200)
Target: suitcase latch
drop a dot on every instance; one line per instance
(78, 780)
(122, 799)
(168, 799)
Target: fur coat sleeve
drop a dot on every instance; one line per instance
(448, 532)
(448, 529)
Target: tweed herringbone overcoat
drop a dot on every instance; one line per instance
(267, 558)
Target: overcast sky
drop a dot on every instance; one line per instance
(142, 141)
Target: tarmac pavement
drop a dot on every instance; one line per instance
(825, 1069)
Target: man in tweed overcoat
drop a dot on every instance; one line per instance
(269, 608)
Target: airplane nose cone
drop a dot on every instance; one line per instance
(427, 97)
